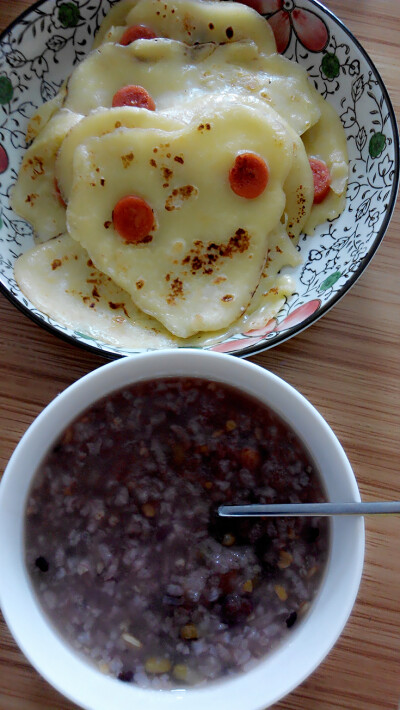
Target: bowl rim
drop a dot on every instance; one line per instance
(329, 611)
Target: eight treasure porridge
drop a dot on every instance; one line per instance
(125, 548)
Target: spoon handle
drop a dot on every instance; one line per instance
(308, 509)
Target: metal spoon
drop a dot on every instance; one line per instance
(275, 510)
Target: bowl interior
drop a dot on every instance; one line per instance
(284, 668)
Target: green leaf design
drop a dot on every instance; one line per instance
(330, 65)
(83, 335)
(68, 14)
(330, 281)
(377, 145)
(6, 90)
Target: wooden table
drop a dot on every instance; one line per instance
(347, 365)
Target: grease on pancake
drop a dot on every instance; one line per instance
(206, 255)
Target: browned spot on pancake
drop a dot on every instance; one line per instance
(56, 263)
(175, 200)
(176, 291)
(227, 298)
(127, 159)
(204, 258)
(167, 174)
(139, 284)
(148, 238)
(36, 164)
(179, 159)
(153, 163)
(32, 198)
(107, 224)
(116, 306)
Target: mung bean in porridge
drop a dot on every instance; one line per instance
(126, 551)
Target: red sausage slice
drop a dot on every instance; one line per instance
(322, 179)
(133, 219)
(249, 175)
(136, 32)
(133, 96)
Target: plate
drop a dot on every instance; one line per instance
(40, 49)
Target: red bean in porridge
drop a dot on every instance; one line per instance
(126, 551)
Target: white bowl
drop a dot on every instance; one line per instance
(285, 667)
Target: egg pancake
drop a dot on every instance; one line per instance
(204, 256)
(34, 196)
(98, 123)
(173, 74)
(190, 22)
(327, 141)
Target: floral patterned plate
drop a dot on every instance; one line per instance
(40, 49)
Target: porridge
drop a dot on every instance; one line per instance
(125, 548)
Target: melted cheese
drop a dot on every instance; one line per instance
(207, 253)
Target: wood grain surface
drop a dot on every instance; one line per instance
(347, 365)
